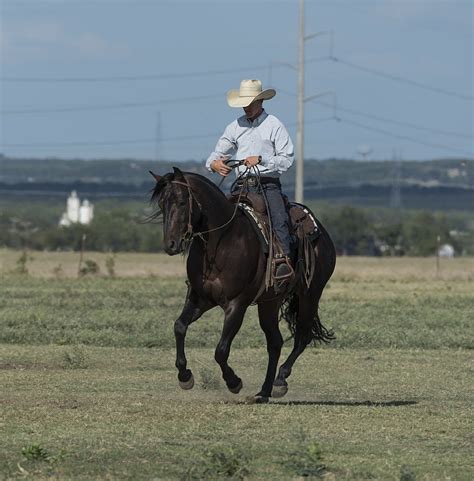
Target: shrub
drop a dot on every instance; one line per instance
(76, 358)
(90, 267)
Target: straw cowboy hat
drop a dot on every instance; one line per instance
(249, 91)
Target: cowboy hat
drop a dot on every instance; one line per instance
(250, 90)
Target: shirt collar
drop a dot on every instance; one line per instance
(256, 122)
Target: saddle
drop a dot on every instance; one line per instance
(303, 228)
(302, 221)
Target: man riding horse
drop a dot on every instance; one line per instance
(262, 140)
(226, 266)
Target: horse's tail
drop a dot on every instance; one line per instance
(289, 312)
(325, 253)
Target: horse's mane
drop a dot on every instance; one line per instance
(166, 179)
(156, 192)
(206, 181)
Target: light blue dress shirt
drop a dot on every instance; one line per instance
(265, 136)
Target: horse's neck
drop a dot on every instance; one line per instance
(215, 208)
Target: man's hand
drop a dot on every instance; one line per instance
(252, 161)
(219, 166)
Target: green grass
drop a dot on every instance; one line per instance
(364, 313)
(349, 414)
(88, 387)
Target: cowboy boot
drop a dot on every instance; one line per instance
(283, 271)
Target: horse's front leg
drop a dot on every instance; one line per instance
(234, 315)
(194, 308)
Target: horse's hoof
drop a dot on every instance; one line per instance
(279, 391)
(236, 389)
(260, 399)
(186, 385)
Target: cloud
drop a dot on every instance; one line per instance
(26, 41)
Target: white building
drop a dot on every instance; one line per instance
(86, 212)
(446, 250)
(75, 212)
(73, 206)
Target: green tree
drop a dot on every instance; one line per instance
(420, 234)
(351, 232)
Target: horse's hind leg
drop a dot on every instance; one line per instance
(194, 308)
(268, 317)
(234, 315)
(307, 312)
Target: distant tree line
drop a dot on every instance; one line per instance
(328, 172)
(363, 194)
(113, 231)
(355, 230)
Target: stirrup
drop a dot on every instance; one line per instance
(277, 261)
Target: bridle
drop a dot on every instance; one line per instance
(189, 235)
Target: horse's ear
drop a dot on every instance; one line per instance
(178, 175)
(156, 177)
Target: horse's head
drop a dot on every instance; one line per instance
(179, 208)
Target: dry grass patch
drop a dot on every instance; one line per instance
(349, 415)
(370, 269)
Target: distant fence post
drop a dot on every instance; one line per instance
(81, 255)
(438, 246)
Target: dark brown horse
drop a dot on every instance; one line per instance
(226, 268)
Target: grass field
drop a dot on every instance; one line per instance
(89, 389)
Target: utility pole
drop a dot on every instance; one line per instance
(300, 122)
(158, 135)
(299, 182)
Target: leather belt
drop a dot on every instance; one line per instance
(252, 181)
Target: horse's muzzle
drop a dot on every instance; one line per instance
(172, 247)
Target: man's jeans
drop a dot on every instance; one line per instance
(278, 213)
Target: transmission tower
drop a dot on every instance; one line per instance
(395, 194)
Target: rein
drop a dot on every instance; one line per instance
(189, 235)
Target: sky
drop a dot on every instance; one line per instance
(148, 79)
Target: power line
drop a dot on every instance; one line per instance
(129, 141)
(404, 137)
(128, 78)
(164, 76)
(317, 59)
(213, 135)
(313, 121)
(399, 78)
(206, 73)
(108, 142)
(153, 103)
(86, 108)
(384, 119)
(396, 122)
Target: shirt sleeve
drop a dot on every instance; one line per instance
(284, 152)
(226, 145)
